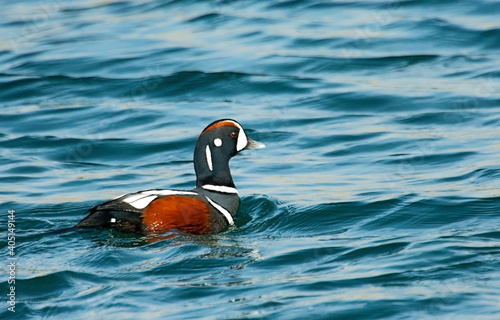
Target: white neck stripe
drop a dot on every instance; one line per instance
(226, 213)
(222, 189)
(242, 137)
(208, 155)
(167, 192)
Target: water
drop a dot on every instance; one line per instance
(376, 198)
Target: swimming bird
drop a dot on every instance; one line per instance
(208, 208)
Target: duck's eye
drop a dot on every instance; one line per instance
(234, 134)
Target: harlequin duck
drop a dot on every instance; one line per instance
(206, 209)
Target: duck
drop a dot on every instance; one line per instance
(209, 208)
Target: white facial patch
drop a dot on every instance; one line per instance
(218, 142)
(242, 140)
(208, 155)
(242, 137)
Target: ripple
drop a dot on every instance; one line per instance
(376, 197)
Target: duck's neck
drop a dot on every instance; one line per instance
(211, 169)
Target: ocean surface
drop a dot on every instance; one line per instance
(377, 197)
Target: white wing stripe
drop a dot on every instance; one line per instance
(134, 197)
(142, 199)
(142, 202)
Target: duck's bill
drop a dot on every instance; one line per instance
(252, 144)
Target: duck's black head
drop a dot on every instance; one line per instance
(218, 143)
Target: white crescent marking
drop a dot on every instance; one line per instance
(226, 213)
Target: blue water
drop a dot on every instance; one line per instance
(377, 196)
